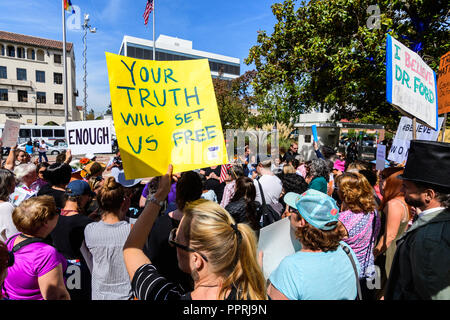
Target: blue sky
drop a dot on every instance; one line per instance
(223, 27)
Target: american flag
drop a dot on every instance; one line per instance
(148, 10)
(224, 172)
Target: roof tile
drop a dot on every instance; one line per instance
(33, 41)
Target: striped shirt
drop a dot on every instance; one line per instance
(110, 280)
(148, 284)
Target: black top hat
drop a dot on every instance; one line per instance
(428, 162)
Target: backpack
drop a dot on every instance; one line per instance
(269, 215)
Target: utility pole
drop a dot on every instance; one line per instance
(86, 27)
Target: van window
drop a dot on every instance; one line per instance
(59, 133)
(47, 133)
(24, 133)
(36, 132)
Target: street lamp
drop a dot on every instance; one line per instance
(86, 27)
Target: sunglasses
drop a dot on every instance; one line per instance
(173, 243)
(41, 171)
(293, 210)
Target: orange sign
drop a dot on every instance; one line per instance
(443, 84)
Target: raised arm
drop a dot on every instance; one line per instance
(133, 253)
(10, 161)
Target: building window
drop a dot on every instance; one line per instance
(40, 55)
(3, 73)
(58, 98)
(40, 76)
(2, 50)
(3, 94)
(21, 53)
(308, 138)
(57, 58)
(11, 51)
(148, 54)
(41, 97)
(139, 53)
(21, 74)
(31, 55)
(57, 78)
(22, 95)
(131, 52)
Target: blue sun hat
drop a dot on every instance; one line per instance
(317, 208)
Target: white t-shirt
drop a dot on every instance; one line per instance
(42, 147)
(7, 227)
(271, 186)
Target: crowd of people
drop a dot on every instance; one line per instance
(77, 229)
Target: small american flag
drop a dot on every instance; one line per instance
(224, 172)
(148, 10)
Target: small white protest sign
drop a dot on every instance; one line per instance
(10, 133)
(277, 241)
(381, 154)
(400, 146)
(92, 136)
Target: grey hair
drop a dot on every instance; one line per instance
(300, 158)
(6, 180)
(318, 168)
(23, 170)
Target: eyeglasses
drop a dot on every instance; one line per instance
(98, 178)
(173, 243)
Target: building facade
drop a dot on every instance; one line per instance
(170, 48)
(31, 80)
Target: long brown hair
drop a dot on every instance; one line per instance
(392, 189)
(356, 192)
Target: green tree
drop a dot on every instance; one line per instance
(325, 55)
(234, 100)
(109, 109)
(90, 115)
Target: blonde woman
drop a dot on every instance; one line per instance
(219, 254)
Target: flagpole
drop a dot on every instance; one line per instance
(154, 43)
(64, 65)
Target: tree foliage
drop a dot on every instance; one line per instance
(327, 55)
(234, 100)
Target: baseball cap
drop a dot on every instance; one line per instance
(78, 188)
(317, 208)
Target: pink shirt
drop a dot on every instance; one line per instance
(30, 262)
(228, 193)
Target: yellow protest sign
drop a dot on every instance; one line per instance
(165, 112)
